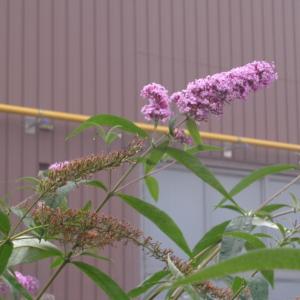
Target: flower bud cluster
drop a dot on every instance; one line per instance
(75, 170)
(82, 230)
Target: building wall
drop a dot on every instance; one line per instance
(94, 56)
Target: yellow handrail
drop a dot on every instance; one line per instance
(57, 115)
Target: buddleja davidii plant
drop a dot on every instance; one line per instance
(201, 98)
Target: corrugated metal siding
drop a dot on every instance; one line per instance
(93, 56)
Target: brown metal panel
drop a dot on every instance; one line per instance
(4, 34)
(237, 60)
(167, 37)
(141, 48)
(248, 56)
(259, 97)
(269, 42)
(290, 75)
(177, 10)
(296, 36)
(282, 114)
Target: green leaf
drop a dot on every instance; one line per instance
(237, 284)
(102, 280)
(111, 137)
(87, 253)
(28, 250)
(193, 130)
(4, 223)
(33, 180)
(212, 237)
(262, 259)
(109, 120)
(255, 176)
(5, 253)
(232, 246)
(258, 288)
(259, 174)
(171, 126)
(271, 208)
(154, 157)
(203, 148)
(95, 183)
(234, 208)
(15, 285)
(152, 186)
(252, 241)
(163, 221)
(56, 262)
(269, 276)
(58, 198)
(256, 221)
(148, 283)
(194, 165)
(87, 206)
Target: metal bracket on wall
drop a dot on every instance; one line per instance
(31, 124)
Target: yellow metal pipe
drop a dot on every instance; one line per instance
(29, 111)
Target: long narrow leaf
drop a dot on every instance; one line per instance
(163, 221)
(193, 164)
(212, 237)
(194, 131)
(5, 253)
(263, 259)
(109, 120)
(102, 280)
(148, 283)
(4, 223)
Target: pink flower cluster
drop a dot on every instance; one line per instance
(158, 108)
(58, 165)
(30, 283)
(208, 95)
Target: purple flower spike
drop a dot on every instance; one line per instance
(208, 96)
(158, 108)
(30, 283)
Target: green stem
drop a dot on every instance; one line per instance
(27, 212)
(214, 253)
(278, 193)
(26, 231)
(122, 178)
(53, 277)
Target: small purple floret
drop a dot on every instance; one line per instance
(58, 165)
(158, 108)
